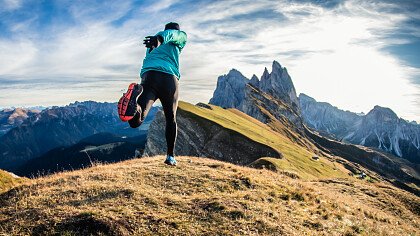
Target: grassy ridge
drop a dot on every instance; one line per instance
(296, 157)
(201, 197)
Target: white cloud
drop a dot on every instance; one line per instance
(160, 5)
(15, 55)
(332, 54)
(341, 61)
(10, 5)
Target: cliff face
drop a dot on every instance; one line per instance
(233, 85)
(381, 128)
(201, 137)
(271, 98)
(279, 84)
(267, 108)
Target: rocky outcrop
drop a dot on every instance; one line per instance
(380, 128)
(279, 85)
(233, 84)
(198, 136)
(254, 81)
(272, 97)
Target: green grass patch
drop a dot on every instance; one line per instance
(296, 158)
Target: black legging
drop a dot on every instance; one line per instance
(162, 86)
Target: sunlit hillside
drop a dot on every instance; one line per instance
(202, 197)
(296, 151)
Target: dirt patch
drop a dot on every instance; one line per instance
(90, 224)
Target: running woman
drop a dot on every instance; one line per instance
(159, 80)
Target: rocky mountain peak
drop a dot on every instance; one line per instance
(18, 116)
(254, 81)
(306, 98)
(236, 91)
(279, 84)
(235, 73)
(234, 78)
(230, 90)
(265, 74)
(276, 66)
(382, 114)
(380, 128)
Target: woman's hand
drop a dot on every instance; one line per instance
(151, 42)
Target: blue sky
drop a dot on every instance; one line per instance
(353, 54)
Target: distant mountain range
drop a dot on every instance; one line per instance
(32, 134)
(380, 128)
(273, 98)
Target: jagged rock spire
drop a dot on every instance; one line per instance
(254, 81)
(265, 74)
(279, 84)
(236, 91)
(276, 65)
(230, 90)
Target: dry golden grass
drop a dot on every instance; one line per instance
(7, 181)
(202, 197)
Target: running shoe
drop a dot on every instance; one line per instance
(127, 105)
(170, 160)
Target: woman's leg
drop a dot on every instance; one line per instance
(145, 101)
(169, 100)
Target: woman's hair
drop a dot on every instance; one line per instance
(172, 25)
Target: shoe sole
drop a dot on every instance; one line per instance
(127, 100)
(168, 163)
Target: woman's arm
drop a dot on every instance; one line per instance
(177, 37)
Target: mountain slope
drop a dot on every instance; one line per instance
(327, 119)
(380, 128)
(202, 197)
(101, 147)
(230, 135)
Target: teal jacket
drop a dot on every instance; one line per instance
(165, 58)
